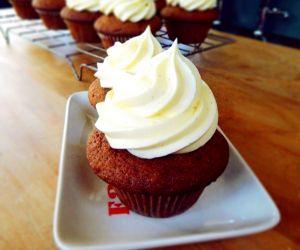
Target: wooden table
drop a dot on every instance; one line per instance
(257, 87)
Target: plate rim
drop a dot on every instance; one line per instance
(178, 240)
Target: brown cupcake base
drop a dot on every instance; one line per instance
(197, 31)
(188, 27)
(159, 206)
(24, 9)
(160, 187)
(80, 24)
(82, 32)
(51, 19)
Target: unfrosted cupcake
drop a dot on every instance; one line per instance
(49, 12)
(189, 21)
(122, 59)
(79, 16)
(24, 9)
(123, 19)
(156, 140)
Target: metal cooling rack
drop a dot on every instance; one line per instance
(82, 56)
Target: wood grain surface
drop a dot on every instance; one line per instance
(257, 87)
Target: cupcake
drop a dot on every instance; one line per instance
(156, 140)
(122, 59)
(79, 16)
(189, 21)
(124, 19)
(24, 9)
(49, 12)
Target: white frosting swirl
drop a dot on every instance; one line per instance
(107, 6)
(191, 5)
(129, 10)
(166, 108)
(81, 5)
(127, 58)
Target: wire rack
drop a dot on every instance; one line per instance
(82, 56)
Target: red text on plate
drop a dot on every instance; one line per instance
(115, 207)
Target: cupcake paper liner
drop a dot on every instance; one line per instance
(160, 206)
(108, 41)
(52, 19)
(24, 9)
(83, 31)
(187, 32)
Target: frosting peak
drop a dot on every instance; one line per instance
(165, 108)
(107, 6)
(129, 10)
(81, 5)
(191, 5)
(127, 58)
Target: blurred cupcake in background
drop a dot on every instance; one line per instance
(123, 19)
(122, 59)
(79, 16)
(189, 21)
(24, 9)
(49, 12)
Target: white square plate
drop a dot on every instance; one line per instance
(237, 204)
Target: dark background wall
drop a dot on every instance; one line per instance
(240, 15)
(4, 4)
(290, 26)
(271, 20)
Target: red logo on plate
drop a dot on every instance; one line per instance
(115, 207)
